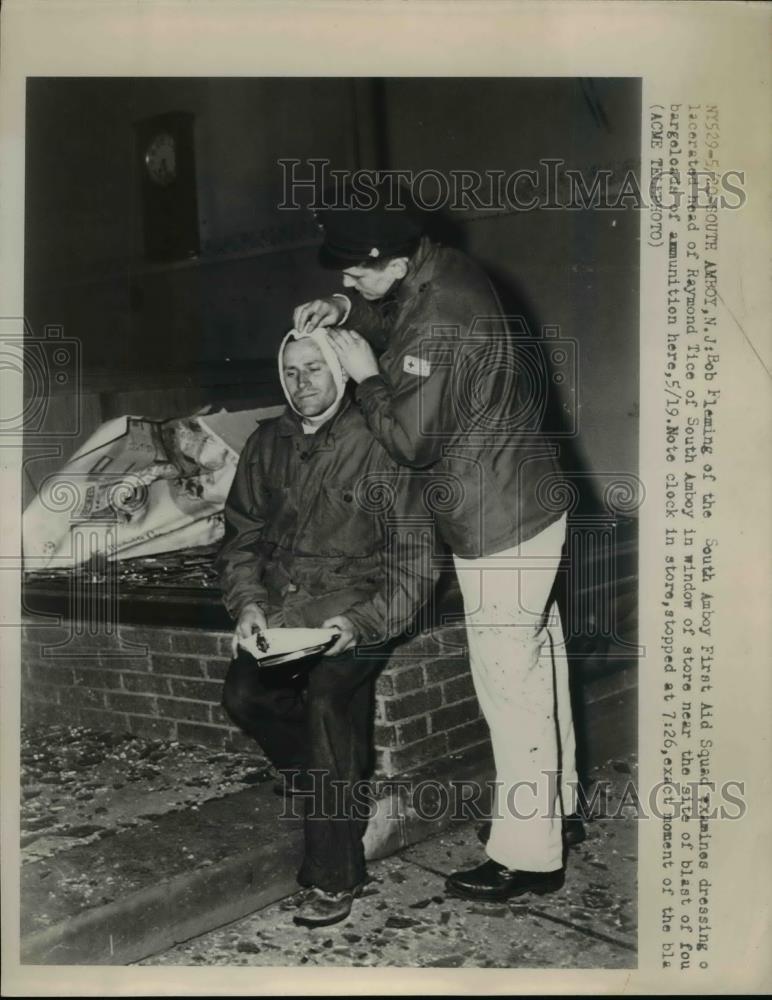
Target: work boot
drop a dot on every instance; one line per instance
(493, 882)
(320, 908)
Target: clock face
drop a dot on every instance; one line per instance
(161, 159)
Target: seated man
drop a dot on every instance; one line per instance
(315, 537)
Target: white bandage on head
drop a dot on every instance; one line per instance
(339, 376)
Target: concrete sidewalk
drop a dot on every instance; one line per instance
(405, 918)
(132, 846)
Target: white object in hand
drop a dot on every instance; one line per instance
(282, 641)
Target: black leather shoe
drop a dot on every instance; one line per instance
(492, 881)
(573, 831)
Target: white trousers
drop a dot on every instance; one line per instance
(520, 673)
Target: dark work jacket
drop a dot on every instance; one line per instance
(318, 525)
(461, 397)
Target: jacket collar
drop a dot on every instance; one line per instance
(289, 423)
(420, 269)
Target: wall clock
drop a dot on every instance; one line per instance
(161, 159)
(167, 171)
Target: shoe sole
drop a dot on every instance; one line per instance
(504, 895)
(305, 922)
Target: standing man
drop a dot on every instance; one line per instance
(317, 535)
(451, 393)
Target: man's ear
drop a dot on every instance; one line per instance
(399, 267)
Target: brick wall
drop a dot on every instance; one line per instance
(425, 705)
(166, 683)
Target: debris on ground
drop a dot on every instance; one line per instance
(80, 785)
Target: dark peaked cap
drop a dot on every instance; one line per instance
(365, 235)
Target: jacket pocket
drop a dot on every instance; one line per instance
(343, 527)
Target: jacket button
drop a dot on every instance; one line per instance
(348, 497)
(303, 456)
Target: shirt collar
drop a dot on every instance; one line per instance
(289, 422)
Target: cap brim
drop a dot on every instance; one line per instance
(336, 260)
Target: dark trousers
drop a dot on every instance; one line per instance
(319, 721)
